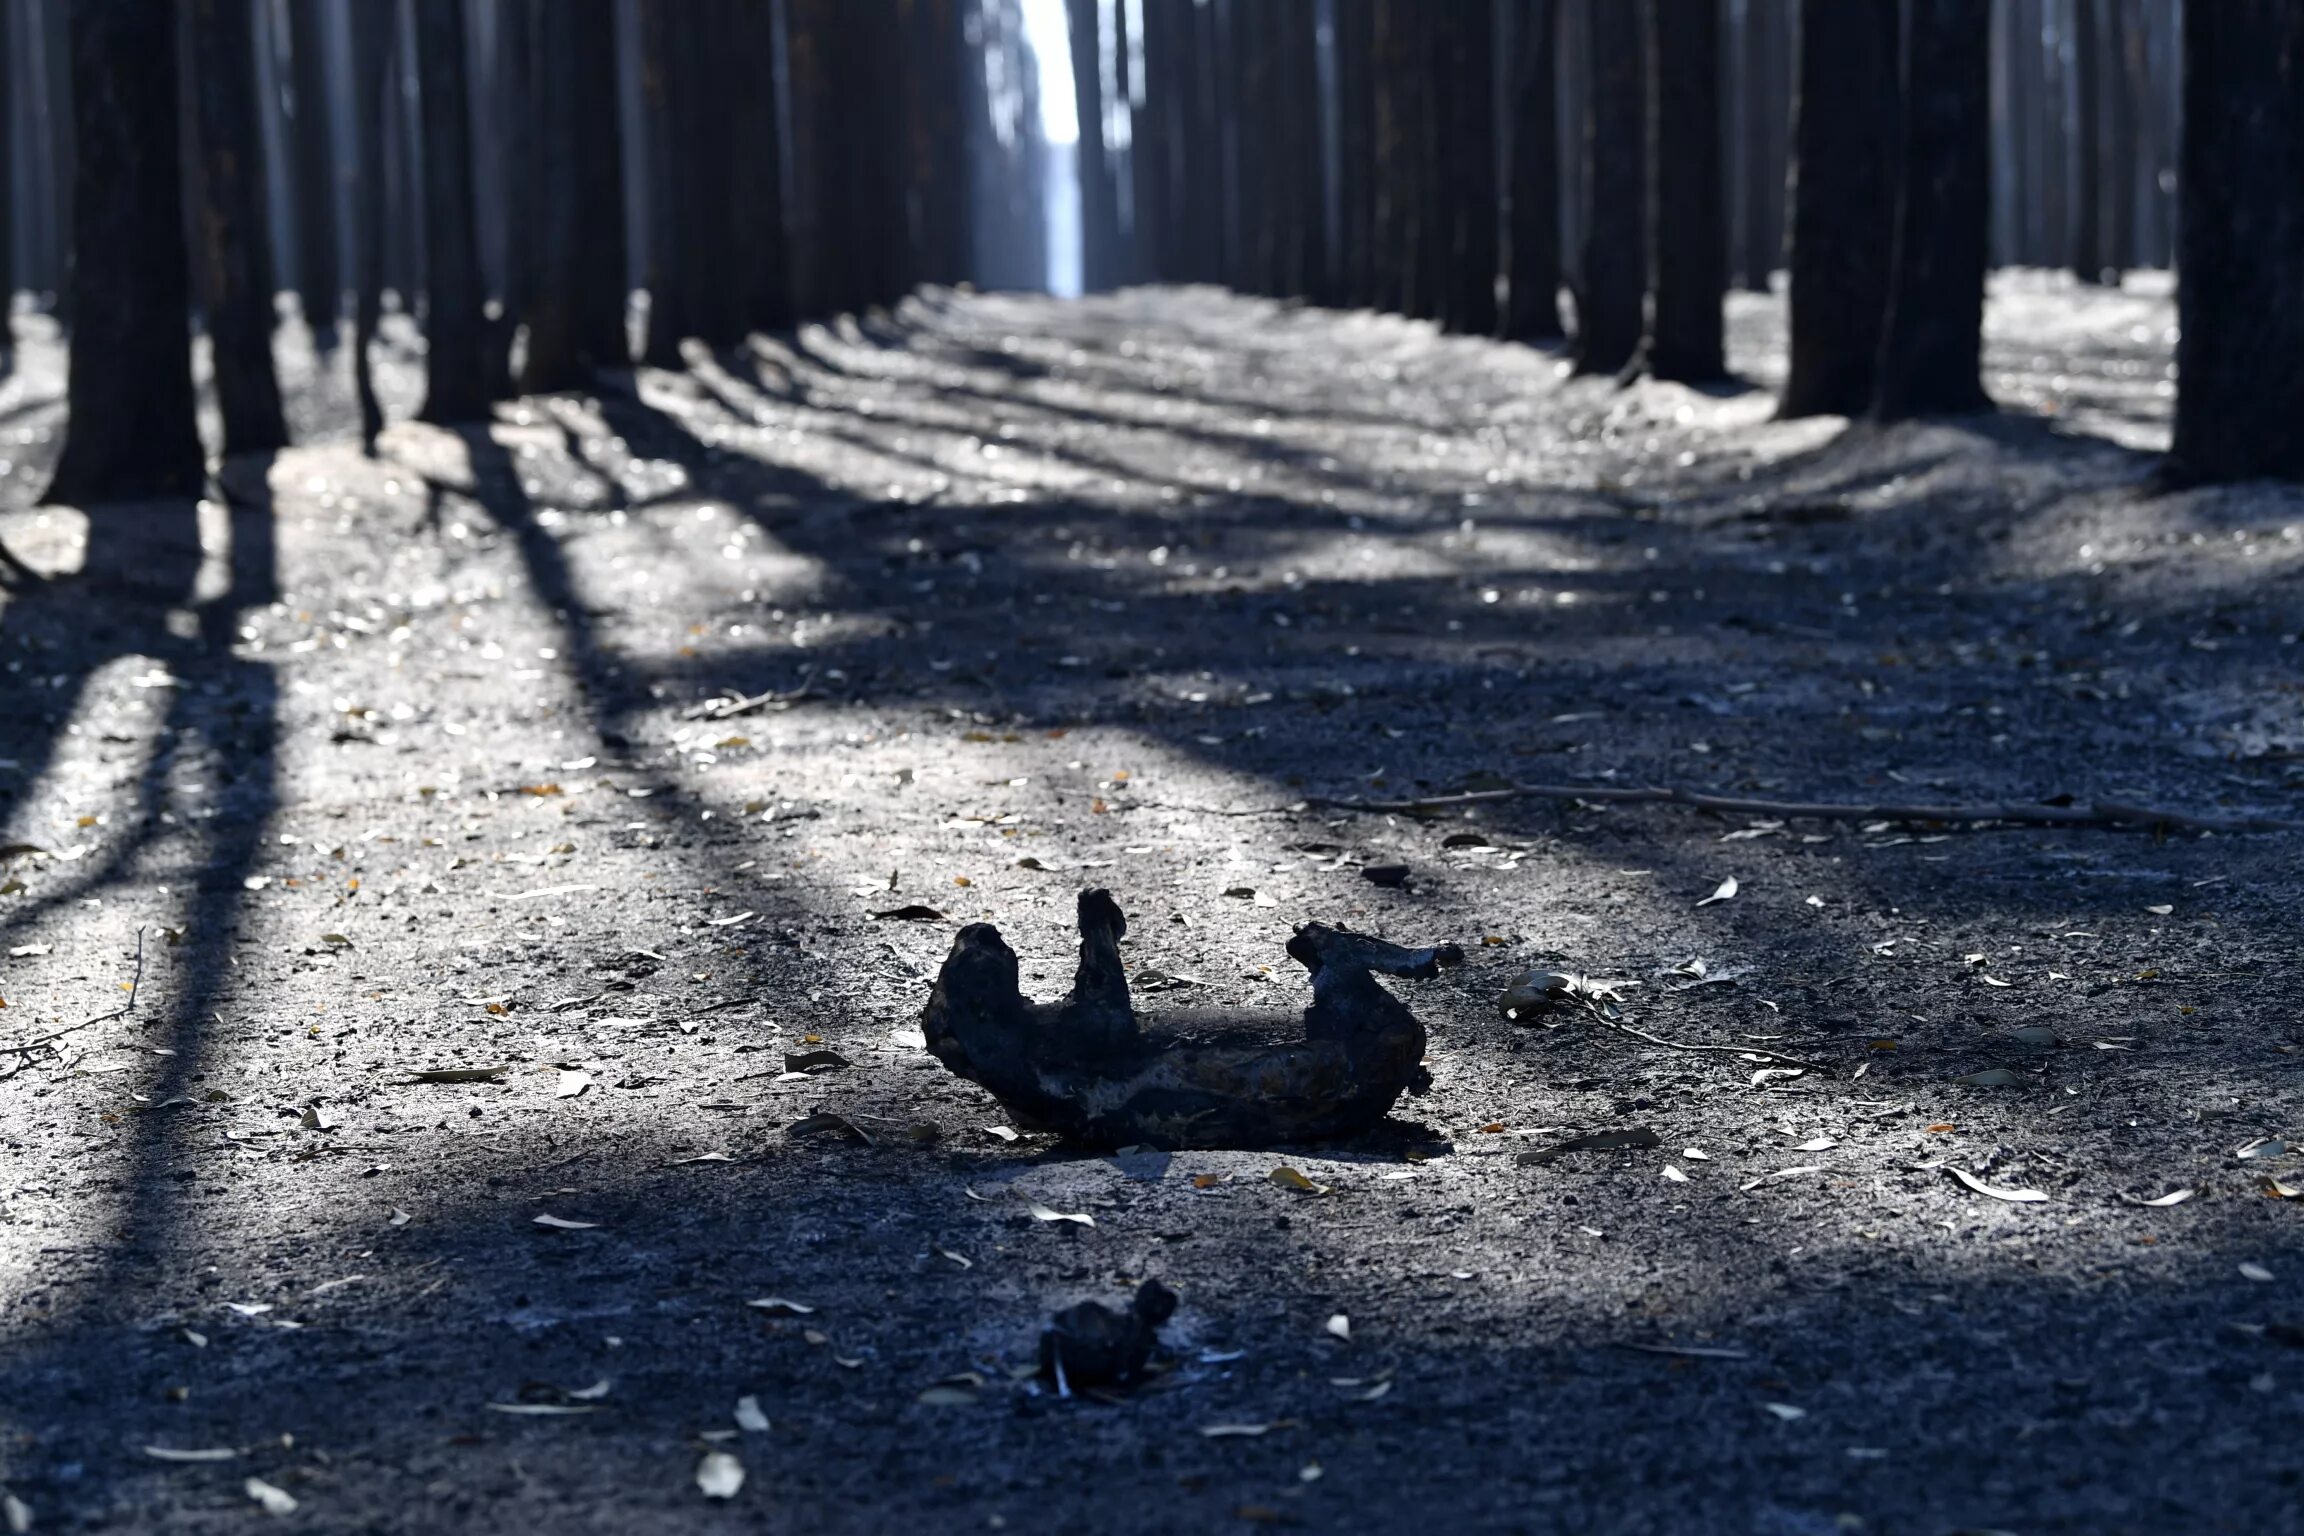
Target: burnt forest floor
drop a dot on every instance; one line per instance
(419, 774)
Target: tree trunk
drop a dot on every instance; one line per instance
(234, 264)
(1355, 22)
(2087, 147)
(576, 313)
(1099, 218)
(512, 117)
(8, 190)
(1843, 204)
(457, 374)
(1463, 92)
(374, 78)
(2125, 107)
(1765, 102)
(1609, 314)
(2240, 245)
(318, 284)
(1390, 215)
(660, 266)
(1533, 303)
(131, 432)
(935, 138)
(763, 244)
(1931, 357)
(1687, 243)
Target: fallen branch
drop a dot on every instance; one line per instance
(729, 706)
(1733, 1050)
(2101, 813)
(23, 1049)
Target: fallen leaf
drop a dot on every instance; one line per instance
(1691, 1351)
(571, 1084)
(703, 1157)
(1602, 1141)
(14, 1512)
(1940, 1127)
(1816, 1144)
(1785, 1411)
(563, 1224)
(914, 913)
(460, 1074)
(998, 1132)
(719, 1475)
(316, 1118)
(749, 1417)
(2160, 911)
(2268, 1146)
(1781, 1173)
(1043, 1213)
(943, 1395)
(1697, 1153)
(1339, 1327)
(275, 1501)
(1674, 1174)
(2257, 1273)
(1244, 1431)
(2018, 1196)
(167, 1453)
(2173, 1197)
(781, 1306)
(811, 1061)
(28, 951)
(2033, 1037)
(1290, 1178)
(1992, 1077)
(1726, 892)
(823, 1125)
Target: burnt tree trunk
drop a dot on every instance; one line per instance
(1532, 310)
(313, 157)
(764, 247)
(1099, 214)
(1763, 139)
(1932, 340)
(935, 171)
(1464, 64)
(2123, 108)
(576, 314)
(233, 257)
(1390, 213)
(1614, 268)
(1687, 242)
(1843, 204)
(660, 170)
(2240, 245)
(130, 429)
(512, 119)
(456, 372)
(1348, 261)
(374, 76)
(2087, 145)
(8, 190)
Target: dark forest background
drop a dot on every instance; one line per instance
(556, 187)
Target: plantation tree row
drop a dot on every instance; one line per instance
(1598, 171)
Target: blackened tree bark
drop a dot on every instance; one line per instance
(1766, 103)
(2123, 107)
(1843, 203)
(374, 75)
(660, 264)
(131, 433)
(935, 171)
(1392, 212)
(511, 117)
(457, 375)
(2240, 245)
(233, 255)
(1609, 311)
(1932, 342)
(1099, 213)
(2087, 144)
(1465, 60)
(1296, 169)
(763, 245)
(8, 193)
(704, 88)
(1687, 242)
(318, 284)
(576, 317)
(1348, 261)
(1532, 310)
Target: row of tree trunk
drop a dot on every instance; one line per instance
(864, 100)
(1370, 169)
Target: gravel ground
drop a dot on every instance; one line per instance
(421, 772)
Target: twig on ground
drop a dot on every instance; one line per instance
(1599, 1016)
(729, 706)
(2101, 813)
(23, 1049)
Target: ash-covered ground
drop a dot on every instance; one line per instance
(422, 774)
